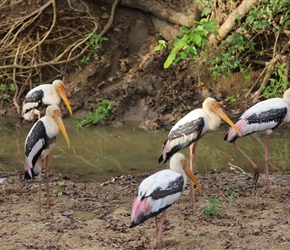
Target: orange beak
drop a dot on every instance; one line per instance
(62, 94)
(219, 112)
(58, 120)
(190, 174)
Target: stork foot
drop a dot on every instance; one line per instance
(268, 191)
(255, 178)
(268, 188)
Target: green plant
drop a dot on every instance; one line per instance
(189, 41)
(212, 209)
(60, 185)
(232, 98)
(207, 9)
(230, 55)
(231, 196)
(85, 60)
(249, 43)
(101, 113)
(277, 84)
(95, 42)
(81, 218)
(162, 44)
(6, 91)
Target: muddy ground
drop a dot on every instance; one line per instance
(97, 215)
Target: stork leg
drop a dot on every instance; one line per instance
(156, 224)
(268, 189)
(47, 163)
(255, 167)
(37, 112)
(160, 229)
(39, 185)
(192, 148)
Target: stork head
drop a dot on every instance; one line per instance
(213, 106)
(60, 88)
(54, 112)
(178, 162)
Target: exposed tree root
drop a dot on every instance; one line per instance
(38, 46)
(161, 12)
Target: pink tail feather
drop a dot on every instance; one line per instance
(141, 210)
(232, 134)
(28, 167)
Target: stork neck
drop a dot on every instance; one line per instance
(184, 179)
(214, 120)
(54, 92)
(286, 96)
(179, 170)
(53, 127)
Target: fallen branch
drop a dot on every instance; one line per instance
(229, 24)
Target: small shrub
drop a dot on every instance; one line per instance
(212, 209)
(101, 113)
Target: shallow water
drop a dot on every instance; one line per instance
(97, 154)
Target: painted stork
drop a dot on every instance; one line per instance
(189, 129)
(263, 116)
(159, 191)
(39, 143)
(44, 94)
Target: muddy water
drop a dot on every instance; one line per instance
(97, 154)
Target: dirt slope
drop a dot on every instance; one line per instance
(97, 216)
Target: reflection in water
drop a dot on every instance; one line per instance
(97, 154)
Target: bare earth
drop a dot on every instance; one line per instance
(97, 215)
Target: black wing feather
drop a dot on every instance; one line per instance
(276, 115)
(172, 188)
(38, 133)
(190, 128)
(35, 96)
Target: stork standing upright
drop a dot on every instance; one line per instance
(263, 116)
(44, 95)
(39, 143)
(189, 129)
(159, 191)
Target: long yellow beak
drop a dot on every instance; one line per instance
(58, 120)
(191, 175)
(219, 111)
(63, 95)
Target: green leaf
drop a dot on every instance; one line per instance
(206, 11)
(169, 60)
(198, 40)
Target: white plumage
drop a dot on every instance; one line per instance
(40, 141)
(189, 129)
(159, 191)
(263, 116)
(44, 94)
(193, 126)
(154, 184)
